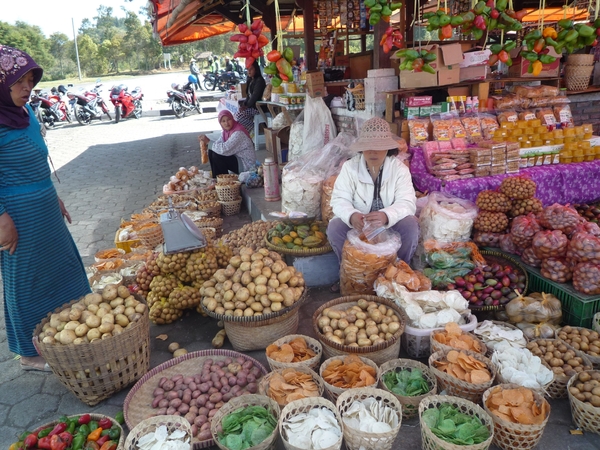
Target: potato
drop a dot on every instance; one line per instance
(49, 340)
(140, 308)
(276, 306)
(109, 292)
(108, 318)
(122, 320)
(67, 337)
(50, 331)
(106, 327)
(118, 329)
(81, 330)
(173, 346)
(72, 325)
(123, 292)
(54, 320)
(93, 321)
(64, 315)
(116, 302)
(75, 314)
(179, 352)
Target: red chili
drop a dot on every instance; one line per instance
(105, 423)
(84, 419)
(503, 56)
(59, 428)
(103, 439)
(30, 441)
(44, 443)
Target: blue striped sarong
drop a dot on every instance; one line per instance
(46, 270)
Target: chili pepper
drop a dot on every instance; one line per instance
(78, 442)
(519, 15)
(493, 60)
(429, 57)
(495, 48)
(94, 435)
(376, 8)
(533, 35)
(566, 24)
(509, 61)
(434, 22)
(427, 68)
(91, 445)
(428, 15)
(15, 446)
(537, 68)
(477, 33)
(44, 443)
(30, 441)
(386, 11)
(109, 445)
(396, 5)
(93, 424)
(105, 432)
(503, 56)
(445, 20)
(550, 32)
(374, 18)
(539, 45)
(45, 432)
(456, 21)
(59, 428)
(479, 8)
(84, 430)
(552, 43)
(370, 3)
(71, 424)
(115, 430)
(517, 26)
(510, 45)
(501, 5)
(492, 24)
(588, 40)
(105, 423)
(494, 14)
(445, 32)
(479, 22)
(529, 56)
(57, 443)
(469, 16)
(84, 419)
(571, 36)
(547, 59)
(102, 440)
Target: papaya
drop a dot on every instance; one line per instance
(293, 234)
(303, 227)
(287, 238)
(285, 68)
(288, 54)
(314, 227)
(311, 242)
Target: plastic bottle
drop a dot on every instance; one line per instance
(475, 103)
(461, 104)
(271, 174)
(469, 105)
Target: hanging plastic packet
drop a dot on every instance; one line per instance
(371, 230)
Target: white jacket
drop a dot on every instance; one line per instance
(353, 190)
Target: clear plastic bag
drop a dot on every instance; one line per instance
(443, 255)
(523, 229)
(441, 278)
(560, 217)
(486, 239)
(535, 308)
(529, 258)
(447, 219)
(296, 138)
(362, 261)
(586, 278)
(326, 209)
(556, 269)
(584, 247)
(319, 127)
(549, 244)
(507, 245)
(537, 331)
(401, 274)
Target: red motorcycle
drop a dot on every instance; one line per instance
(51, 109)
(89, 105)
(126, 104)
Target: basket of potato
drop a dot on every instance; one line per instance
(564, 362)
(98, 344)
(365, 325)
(583, 340)
(257, 296)
(584, 397)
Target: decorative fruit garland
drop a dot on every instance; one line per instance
(251, 41)
(380, 10)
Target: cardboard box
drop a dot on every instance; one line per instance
(316, 90)
(242, 90)
(473, 73)
(423, 100)
(314, 77)
(475, 58)
(411, 112)
(445, 66)
(342, 60)
(376, 73)
(436, 109)
(520, 65)
(424, 111)
(276, 142)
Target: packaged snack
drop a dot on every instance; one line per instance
(488, 125)
(536, 91)
(419, 133)
(546, 115)
(472, 126)
(482, 171)
(563, 115)
(508, 116)
(442, 129)
(527, 115)
(459, 143)
(509, 101)
(458, 131)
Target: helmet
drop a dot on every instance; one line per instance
(192, 78)
(174, 85)
(62, 89)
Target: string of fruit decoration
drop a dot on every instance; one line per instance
(280, 66)
(417, 60)
(251, 41)
(380, 10)
(390, 39)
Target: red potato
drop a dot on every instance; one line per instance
(201, 401)
(190, 417)
(242, 381)
(193, 402)
(212, 390)
(204, 435)
(210, 405)
(232, 381)
(225, 389)
(193, 386)
(162, 382)
(196, 394)
(158, 391)
(187, 398)
(175, 403)
(219, 405)
(240, 360)
(212, 412)
(220, 363)
(250, 378)
(176, 378)
(217, 385)
(247, 365)
(194, 430)
(161, 412)
(200, 420)
(203, 411)
(168, 385)
(223, 380)
(188, 380)
(252, 388)
(228, 396)
(216, 397)
(184, 409)
(171, 410)
(171, 395)
(204, 387)
(205, 426)
(156, 401)
(164, 403)
(194, 409)
(227, 361)
(255, 371)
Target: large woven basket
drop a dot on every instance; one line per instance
(514, 436)
(410, 405)
(231, 208)
(228, 192)
(263, 385)
(151, 237)
(152, 423)
(325, 248)
(577, 78)
(257, 332)
(580, 60)
(311, 343)
(437, 346)
(505, 325)
(453, 386)
(595, 360)
(585, 416)
(241, 402)
(226, 178)
(379, 353)
(543, 390)
(304, 406)
(333, 392)
(97, 370)
(431, 442)
(212, 208)
(97, 418)
(138, 403)
(356, 439)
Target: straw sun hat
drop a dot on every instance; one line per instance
(375, 134)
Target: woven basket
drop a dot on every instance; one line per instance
(226, 178)
(492, 256)
(505, 325)
(453, 386)
(333, 392)
(577, 78)
(97, 370)
(96, 280)
(580, 60)
(379, 353)
(209, 222)
(585, 416)
(212, 208)
(228, 192)
(303, 406)
(356, 439)
(437, 346)
(151, 237)
(209, 233)
(410, 405)
(206, 195)
(326, 248)
(138, 403)
(257, 332)
(311, 343)
(542, 390)
(231, 208)
(97, 418)
(109, 254)
(595, 360)
(359, 99)
(263, 385)
(241, 402)
(431, 442)
(151, 424)
(514, 436)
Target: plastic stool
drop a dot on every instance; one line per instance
(258, 138)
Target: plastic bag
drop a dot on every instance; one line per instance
(486, 239)
(586, 278)
(443, 255)
(401, 274)
(419, 132)
(295, 146)
(556, 269)
(319, 127)
(326, 209)
(507, 245)
(537, 331)
(362, 261)
(523, 229)
(535, 308)
(279, 121)
(441, 278)
(529, 258)
(584, 247)
(549, 244)
(447, 219)
(560, 217)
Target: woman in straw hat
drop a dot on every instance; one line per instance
(374, 187)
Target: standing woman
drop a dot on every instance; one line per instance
(256, 88)
(41, 267)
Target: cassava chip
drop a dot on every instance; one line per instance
(299, 351)
(464, 367)
(454, 337)
(349, 372)
(290, 384)
(517, 406)
(284, 354)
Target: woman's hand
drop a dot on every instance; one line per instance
(357, 221)
(203, 138)
(8, 234)
(64, 211)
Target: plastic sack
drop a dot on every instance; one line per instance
(326, 209)
(486, 239)
(447, 219)
(362, 261)
(535, 308)
(556, 269)
(442, 255)
(560, 217)
(529, 258)
(584, 247)
(401, 274)
(537, 331)
(549, 244)
(507, 245)
(295, 144)
(280, 120)
(319, 127)
(586, 278)
(522, 230)
(441, 278)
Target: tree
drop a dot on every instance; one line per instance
(88, 55)
(58, 47)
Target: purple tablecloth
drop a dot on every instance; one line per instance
(557, 183)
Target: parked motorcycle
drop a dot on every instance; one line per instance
(227, 79)
(51, 109)
(183, 99)
(210, 81)
(89, 105)
(126, 104)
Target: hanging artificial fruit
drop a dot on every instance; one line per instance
(251, 41)
(391, 38)
(280, 66)
(380, 10)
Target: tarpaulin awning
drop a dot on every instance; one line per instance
(555, 14)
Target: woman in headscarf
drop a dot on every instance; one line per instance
(234, 141)
(41, 267)
(256, 88)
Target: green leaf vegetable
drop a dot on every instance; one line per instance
(406, 382)
(451, 425)
(246, 427)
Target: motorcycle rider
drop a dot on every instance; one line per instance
(195, 71)
(228, 65)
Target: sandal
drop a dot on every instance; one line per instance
(37, 368)
(335, 287)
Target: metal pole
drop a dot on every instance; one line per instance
(76, 49)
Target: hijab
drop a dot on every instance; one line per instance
(236, 125)
(14, 64)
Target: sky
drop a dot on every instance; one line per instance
(55, 16)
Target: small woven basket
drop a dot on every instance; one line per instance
(431, 442)
(333, 392)
(410, 405)
(356, 439)
(359, 98)
(228, 192)
(595, 360)
(325, 248)
(231, 208)
(97, 418)
(206, 195)
(379, 353)
(453, 386)
(580, 60)
(264, 383)
(577, 78)
(311, 343)
(212, 208)
(437, 346)
(543, 390)
(585, 416)
(515, 436)
(226, 178)
(241, 402)
(151, 424)
(97, 370)
(151, 237)
(305, 405)
(109, 254)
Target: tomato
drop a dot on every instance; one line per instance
(503, 56)
(417, 65)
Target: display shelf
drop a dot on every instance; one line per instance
(589, 90)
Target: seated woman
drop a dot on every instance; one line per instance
(233, 142)
(374, 187)
(256, 88)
